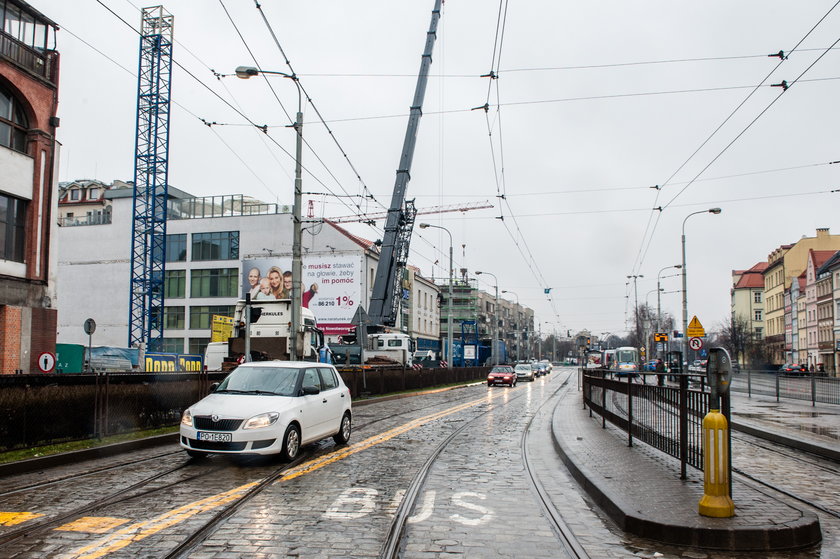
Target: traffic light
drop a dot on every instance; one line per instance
(588, 341)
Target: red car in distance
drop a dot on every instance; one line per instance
(501, 374)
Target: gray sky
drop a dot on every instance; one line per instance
(596, 102)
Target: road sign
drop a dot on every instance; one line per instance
(46, 362)
(695, 344)
(695, 329)
(660, 337)
(90, 326)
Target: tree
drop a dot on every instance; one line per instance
(742, 343)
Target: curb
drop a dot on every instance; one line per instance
(824, 452)
(796, 534)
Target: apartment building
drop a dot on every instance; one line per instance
(28, 162)
(783, 265)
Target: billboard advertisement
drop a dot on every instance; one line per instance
(332, 286)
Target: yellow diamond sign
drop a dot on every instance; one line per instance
(695, 329)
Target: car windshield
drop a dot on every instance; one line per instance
(501, 370)
(523, 367)
(276, 381)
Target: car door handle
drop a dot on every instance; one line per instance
(324, 400)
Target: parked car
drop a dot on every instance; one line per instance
(269, 407)
(793, 368)
(524, 372)
(501, 374)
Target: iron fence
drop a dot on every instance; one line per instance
(805, 386)
(668, 418)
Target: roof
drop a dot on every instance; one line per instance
(361, 241)
(820, 257)
(831, 263)
(752, 278)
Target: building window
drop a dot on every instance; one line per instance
(175, 284)
(13, 122)
(93, 194)
(757, 296)
(12, 220)
(219, 245)
(176, 248)
(757, 315)
(198, 345)
(74, 194)
(201, 317)
(173, 345)
(173, 318)
(222, 282)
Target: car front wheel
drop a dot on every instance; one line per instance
(291, 443)
(343, 434)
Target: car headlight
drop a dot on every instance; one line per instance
(262, 420)
(186, 419)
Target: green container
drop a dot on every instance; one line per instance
(70, 358)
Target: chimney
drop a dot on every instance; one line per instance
(822, 232)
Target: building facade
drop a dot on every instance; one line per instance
(29, 67)
(783, 265)
(213, 245)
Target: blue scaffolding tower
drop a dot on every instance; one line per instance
(151, 166)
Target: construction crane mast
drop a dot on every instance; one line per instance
(151, 166)
(393, 255)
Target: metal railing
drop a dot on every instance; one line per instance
(668, 418)
(38, 62)
(806, 386)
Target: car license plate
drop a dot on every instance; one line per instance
(215, 437)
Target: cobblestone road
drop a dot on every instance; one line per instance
(477, 500)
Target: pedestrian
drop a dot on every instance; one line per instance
(811, 368)
(660, 372)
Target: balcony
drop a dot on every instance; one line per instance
(94, 219)
(41, 63)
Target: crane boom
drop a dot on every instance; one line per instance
(384, 300)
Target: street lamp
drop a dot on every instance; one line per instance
(636, 297)
(658, 298)
(684, 281)
(246, 72)
(518, 326)
(495, 319)
(449, 342)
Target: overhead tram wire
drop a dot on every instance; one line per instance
(782, 57)
(365, 190)
(366, 195)
(498, 166)
(176, 103)
(223, 100)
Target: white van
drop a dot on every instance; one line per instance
(214, 355)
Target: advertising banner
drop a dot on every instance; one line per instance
(222, 328)
(332, 286)
(173, 362)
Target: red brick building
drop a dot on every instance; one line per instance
(28, 167)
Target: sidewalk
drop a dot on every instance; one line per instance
(640, 489)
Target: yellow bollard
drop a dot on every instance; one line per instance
(716, 501)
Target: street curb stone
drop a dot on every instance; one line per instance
(644, 495)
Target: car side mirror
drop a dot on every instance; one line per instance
(213, 387)
(311, 390)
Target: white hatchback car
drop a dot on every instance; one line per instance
(269, 407)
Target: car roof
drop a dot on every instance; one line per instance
(288, 364)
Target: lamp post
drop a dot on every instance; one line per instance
(246, 72)
(518, 326)
(495, 319)
(449, 298)
(636, 297)
(658, 298)
(684, 281)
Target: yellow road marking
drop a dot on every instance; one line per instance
(141, 530)
(12, 518)
(93, 524)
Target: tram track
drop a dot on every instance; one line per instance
(392, 547)
(121, 495)
(87, 473)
